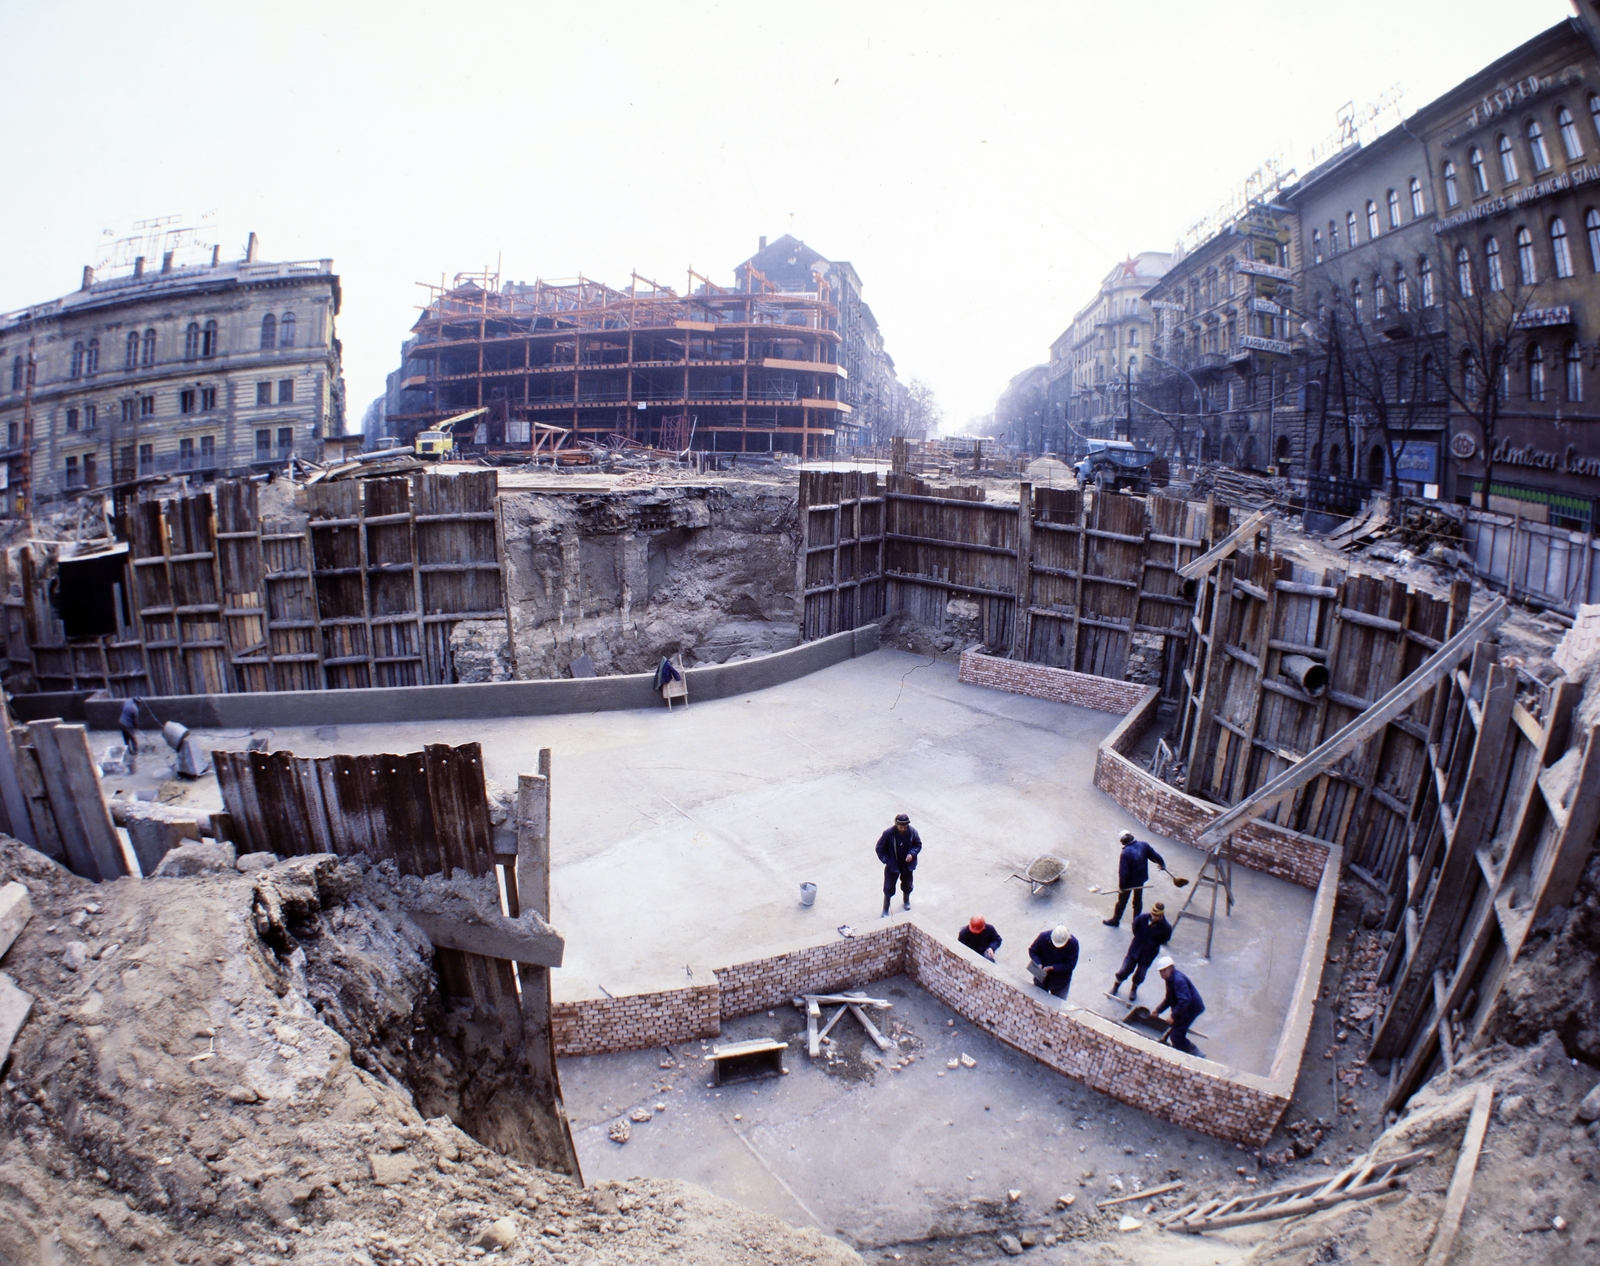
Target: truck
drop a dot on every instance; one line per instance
(439, 440)
(1114, 465)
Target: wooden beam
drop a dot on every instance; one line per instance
(1455, 1200)
(1378, 715)
(1200, 566)
(1022, 616)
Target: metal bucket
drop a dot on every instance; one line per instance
(808, 894)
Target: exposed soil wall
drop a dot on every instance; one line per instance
(627, 577)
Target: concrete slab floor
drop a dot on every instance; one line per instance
(919, 1162)
(681, 838)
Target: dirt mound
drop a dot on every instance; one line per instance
(234, 1075)
(1556, 984)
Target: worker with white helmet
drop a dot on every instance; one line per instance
(1051, 960)
(1185, 1002)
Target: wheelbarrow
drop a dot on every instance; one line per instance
(1041, 873)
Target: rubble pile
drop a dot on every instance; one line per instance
(258, 1068)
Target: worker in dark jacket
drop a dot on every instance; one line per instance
(898, 848)
(1133, 873)
(1184, 1000)
(979, 937)
(128, 719)
(1150, 932)
(1051, 960)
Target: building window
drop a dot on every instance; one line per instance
(208, 339)
(1425, 281)
(263, 393)
(1497, 277)
(1133, 336)
(1591, 226)
(1574, 358)
(77, 360)
(286, 330)
(191, 341)
(186, 400)
(1402, 380)
(1372, 219)
(16, 371)
(91, 416)
(1133, 367)
(186, 453)
(74, 479)
(1394, 209)
(1508, 159)
(1350, 228)
(88, 470)
(1333, 237)
(1380, 298)
(263, 446)
(1536, 146)
(91, 357)
(147, 406)
(208, 399)
(269, 332)
(1469, 376)
(133, 350)
(1316, 246)
(1559, 248)
(1418, 207)
(72, 419)
(1429, 379)
(1535, 372)
(1505, 370)
(286, 391)
(1464, 272)
(13, 434)
(1402, 289)
(1571, 145)
(129, 407)
(148, 356)
(1527, 265)
(1355, 301)
(285, 440)
(1452, 193)
(147, 459)
(1480, 177)
(208, 451)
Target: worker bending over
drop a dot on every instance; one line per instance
(979, 937)
(1150, 932)
(898, 849)
(1133, 873)
(1051, 960)
(1185, 1001)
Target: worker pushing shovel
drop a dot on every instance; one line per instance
(1133, 875)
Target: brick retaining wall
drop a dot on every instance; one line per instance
(1084, 690)
(636, 1022)
(826, 968)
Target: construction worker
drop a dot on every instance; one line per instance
(128, 719)
(1150, 932)
(1185, 1001)
(1051, 960)
(979, 937)
(898, 848)
(1133, 873)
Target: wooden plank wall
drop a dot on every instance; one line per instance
(362, 592)
(1069, 585)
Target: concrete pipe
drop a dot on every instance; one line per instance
(1306, 673)
(174, 733)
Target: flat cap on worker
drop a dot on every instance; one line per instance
(1133, 873)
(898, 849)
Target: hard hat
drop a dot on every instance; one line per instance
(1164, 962)
(977, 923)
(1126, 837)
(1058, 936)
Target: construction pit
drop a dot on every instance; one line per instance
(349, 1105)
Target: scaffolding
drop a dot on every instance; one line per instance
(752, 369)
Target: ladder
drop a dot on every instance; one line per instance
(1216, 873)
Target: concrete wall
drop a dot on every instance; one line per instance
(1192, 1092)
(490, 699)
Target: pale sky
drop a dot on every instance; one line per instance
(981, 165)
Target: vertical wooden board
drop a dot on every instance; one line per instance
(449, 807)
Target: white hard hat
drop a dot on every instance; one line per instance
(1126, 837)
(1164, 962)
(1059, 936)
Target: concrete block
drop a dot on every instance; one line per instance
(526, 939)
(14, 1008)
(16, 908)
(194, 858)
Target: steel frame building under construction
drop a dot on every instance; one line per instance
(748, 370)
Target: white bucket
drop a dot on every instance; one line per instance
(808, 894)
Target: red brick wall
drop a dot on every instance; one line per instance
(1084, 690)
(636, 1022)
(833, 965)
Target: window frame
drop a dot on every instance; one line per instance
(1567, 129)
(1394, 209)
(269, 332)
(1480, 172)
(1496, 274)
(1372, 220)
(1527, 259)
(1452, 191)
(1560, 248)
(1464, 286)
(1509, 174)
(1419, 202)
(1572, 356)
(1537, 385)
(1538, 151)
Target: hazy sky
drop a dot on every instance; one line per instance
(982, 165)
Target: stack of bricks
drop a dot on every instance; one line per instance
(636, 1022)
(1194, 1093)
(1062, 685)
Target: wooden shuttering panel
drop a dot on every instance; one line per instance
(840, 569)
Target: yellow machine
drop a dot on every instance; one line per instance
(440, 440)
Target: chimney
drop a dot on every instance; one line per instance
(88, 276)
(138, 267)
(250, 250)
(763, 245)
(216, 255)
(166, 262)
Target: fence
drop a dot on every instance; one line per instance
(1529, 560)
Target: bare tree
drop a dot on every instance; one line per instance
(1485, 305)
(924, 414)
